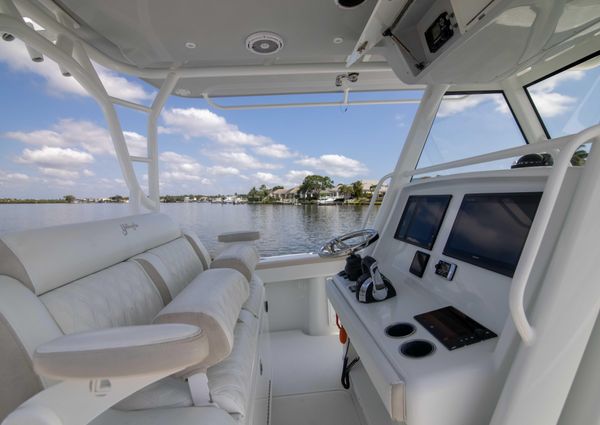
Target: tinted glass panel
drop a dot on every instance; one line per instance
(421, 219)
(569, 101)
(490, 230)
(467, 125)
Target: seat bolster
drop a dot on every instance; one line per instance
(242, 258)
(230, 381)
(212, 301)
(199, 248)
(257, 295)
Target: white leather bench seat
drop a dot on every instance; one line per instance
(135, 271)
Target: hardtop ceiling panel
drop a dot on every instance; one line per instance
(154, 33)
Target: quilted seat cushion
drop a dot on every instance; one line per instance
(181, 264)
(121, 295)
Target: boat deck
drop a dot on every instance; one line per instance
(307, 389)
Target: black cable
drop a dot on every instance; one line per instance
(347, 367)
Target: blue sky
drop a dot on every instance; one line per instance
(53, 138)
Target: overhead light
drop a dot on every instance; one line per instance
(348, 4)
(182, 92)
(190, 45)
(338, 40)
(264, 43)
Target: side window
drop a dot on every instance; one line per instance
(568, 101)
(467, 125)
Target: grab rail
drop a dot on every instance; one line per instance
(562, 149)
(374, 198)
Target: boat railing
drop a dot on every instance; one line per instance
(374, 197)
(562, 150)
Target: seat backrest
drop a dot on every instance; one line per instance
(72, 278)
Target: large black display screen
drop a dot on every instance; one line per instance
(491, 229)
(421, 219)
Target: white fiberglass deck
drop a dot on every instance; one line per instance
(306, 381)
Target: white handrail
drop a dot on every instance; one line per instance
(562, 150)
(343, 102)
(374, 197)
(516, 298)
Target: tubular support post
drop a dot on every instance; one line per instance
(374, 198)
(83, 71)
(157, 107)
(413, 145)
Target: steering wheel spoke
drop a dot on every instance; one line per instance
(338, 247)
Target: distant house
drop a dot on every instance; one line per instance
(286, 196)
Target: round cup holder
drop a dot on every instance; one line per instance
(400, 330)
(417, 349)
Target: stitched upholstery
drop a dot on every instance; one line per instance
(230, 381)
(121, 295)
(257, 295)
(181, 263)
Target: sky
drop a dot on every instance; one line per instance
(54, 142)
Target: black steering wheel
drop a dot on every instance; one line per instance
(349, 243)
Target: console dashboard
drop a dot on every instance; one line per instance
(432, 353)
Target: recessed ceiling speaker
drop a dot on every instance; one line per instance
(264, 43)
(348, 4)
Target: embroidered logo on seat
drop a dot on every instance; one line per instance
(126, 227)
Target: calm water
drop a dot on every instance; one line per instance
(285, 229)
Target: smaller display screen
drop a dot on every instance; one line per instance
(453, 328)
(491, 229)
(419, 263)
(422, 219)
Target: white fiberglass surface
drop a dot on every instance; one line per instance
(305, 364)
(306, 381)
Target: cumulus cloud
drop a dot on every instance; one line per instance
(266, 178)
(7, 177)
(276, 150)
(58, 173)
(15, 56)
(55, 157)
(295, 177)
(549, 102)
(82, 134)
(335, 165)
(181, 168)
(454, 104)
(240, 159)
(221, 170)
(193, 122)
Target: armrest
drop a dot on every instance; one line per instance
(242, 258)
(212, 302)
(239, 236)
(122, 352)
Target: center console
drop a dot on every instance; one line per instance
(432, 353)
